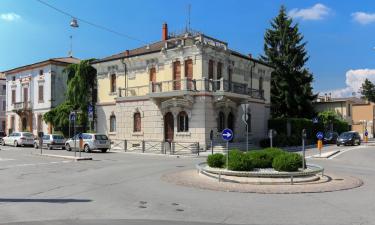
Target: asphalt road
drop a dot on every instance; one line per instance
(123, 188)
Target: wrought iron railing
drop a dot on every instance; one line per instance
(22, 106)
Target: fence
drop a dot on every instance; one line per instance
(156, 147)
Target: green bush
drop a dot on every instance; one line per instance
(288, 162)
(239, 161)
(216, 160)
(260, 159)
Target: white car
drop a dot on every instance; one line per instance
(18, 139)
(91, 141)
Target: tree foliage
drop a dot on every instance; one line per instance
(368, 90)
(284, 49)
(81, 91)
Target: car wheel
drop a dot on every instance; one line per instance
(87, 148)
(15, 144)
(35, 145)
(338, 144)
(67, 147)
(104, 150)
(49, 147)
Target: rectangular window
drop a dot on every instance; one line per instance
(4, 106)
(40, 72)
(113, 83)
(210, 69)
(41, 93)
(13, 96)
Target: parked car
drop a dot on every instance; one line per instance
(349, 138)
(18, 139)
(51, 141)
(91, 141)
(330, 137)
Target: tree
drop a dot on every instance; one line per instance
(332, 121)
(368, 90)
(81, 91)
(284, 49)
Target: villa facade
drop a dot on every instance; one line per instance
(182, 88)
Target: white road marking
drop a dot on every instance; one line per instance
(35, 164)
(3, 159)
(343, 150)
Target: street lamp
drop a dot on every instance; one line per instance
(74, 23)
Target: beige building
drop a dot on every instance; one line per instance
(179, 89)
(363, 118)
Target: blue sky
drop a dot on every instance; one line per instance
(340, 36)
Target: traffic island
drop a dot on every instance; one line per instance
(74, 158)
(326, 155)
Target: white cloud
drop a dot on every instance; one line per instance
(9, 17)
(354, 80)
(317, 12)
(363, 18)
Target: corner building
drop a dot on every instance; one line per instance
(181, 88)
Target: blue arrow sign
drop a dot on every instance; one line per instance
(366, 133)
(90, 109)
(227, 134)
(319, 135)
(72, 116)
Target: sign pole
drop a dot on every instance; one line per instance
(227, 135)
(247, 130)
(227, 153)
(74, 136)
(303, 149)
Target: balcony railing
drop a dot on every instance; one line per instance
(19, 106)
(194, 85)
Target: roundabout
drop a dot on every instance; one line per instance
(265, 181)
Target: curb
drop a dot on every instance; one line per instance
(326, 154)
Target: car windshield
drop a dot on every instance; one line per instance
(58, 137)
(346, 135)
(101, 137)
(27, 134)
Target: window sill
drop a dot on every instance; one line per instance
(40, 101)
(112, 93)
(187, 133)
(140, 133)
(112, 133)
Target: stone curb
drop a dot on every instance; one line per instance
(64, 157)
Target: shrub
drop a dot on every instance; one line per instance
(288, 162)
(260, 159)
(239, 161)
(216, 160)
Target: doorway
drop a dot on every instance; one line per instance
(168, 127)
(153, 78)
(231, 123)
(177, 75)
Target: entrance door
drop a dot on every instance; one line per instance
(189, 73)
(168, 127)
(153, 78)
(177, 75)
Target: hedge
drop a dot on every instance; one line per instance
(239, 161)
(216, 160)
(289, 162)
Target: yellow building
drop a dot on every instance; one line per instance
(363, 117)
(181, 89)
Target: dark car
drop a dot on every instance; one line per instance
(330, 137)
(349, 138)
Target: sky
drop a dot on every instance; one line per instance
(340, 35)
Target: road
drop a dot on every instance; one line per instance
(124, 188)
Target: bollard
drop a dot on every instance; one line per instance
(291, 180)
(143, 146)
(125, 145)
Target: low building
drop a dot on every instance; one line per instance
(182, 89)
(363, 118)
(343, 107)
(33, 90)
(2, 102)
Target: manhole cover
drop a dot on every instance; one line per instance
(175, 203)
(179, 210)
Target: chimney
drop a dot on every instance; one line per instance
(165, 32)
(250, 55)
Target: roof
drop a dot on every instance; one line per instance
(350, 99)
(61, 60)
(158, 46)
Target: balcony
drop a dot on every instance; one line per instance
(182, 87)
(22, 106)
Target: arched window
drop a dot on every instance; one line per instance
(137, 122)
(113, 83)
(183, 122)
(112, 123)
(221, 122)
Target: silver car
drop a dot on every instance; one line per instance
(18, 139)
(91, 141)
(51, 141)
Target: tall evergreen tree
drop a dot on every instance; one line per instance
(368, 90)
(284, 49)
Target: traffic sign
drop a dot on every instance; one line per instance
(227, 134)
(315, 120)
(72, 116)
(319, 135)
(90, 109)
(366, 133)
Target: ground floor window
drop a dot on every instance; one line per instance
(183, 122)
(221, 122)
(112, 123)
(137, 122)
